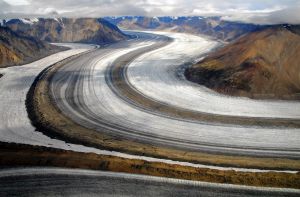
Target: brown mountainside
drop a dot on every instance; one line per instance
(85, 30)
(17, 49)
(262, 64)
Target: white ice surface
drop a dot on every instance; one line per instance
(154, 75)
(103, 102)
(15, 125)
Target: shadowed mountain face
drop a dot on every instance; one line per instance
(84, 30)
(18, 49)
(212, 26)
(262, 64)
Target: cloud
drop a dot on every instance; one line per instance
(17, 2)
(253, 11)
(288, 15)
(283, 16)
(4, 6)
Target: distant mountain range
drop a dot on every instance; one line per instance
(262, 64)
(25, 40)
(211, 26)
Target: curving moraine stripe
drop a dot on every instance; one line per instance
(91, 91)
(117, 78)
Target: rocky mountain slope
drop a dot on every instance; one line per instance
(85, 30)
(18, 49)
(262, 64)
(212, 26)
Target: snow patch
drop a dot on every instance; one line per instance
(26, 21)
(60, 21)
(29, 21)
(34, 20)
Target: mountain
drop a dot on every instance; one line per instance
(18, 49)
(84, 30)
(262, 64)
(212, 26)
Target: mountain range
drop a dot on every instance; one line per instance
(26, 40)
(84, 30)
(212, 26)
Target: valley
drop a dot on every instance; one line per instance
(179, 105)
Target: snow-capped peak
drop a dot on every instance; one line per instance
(155, 18)
(29, 21)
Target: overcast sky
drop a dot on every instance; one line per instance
(255, 11)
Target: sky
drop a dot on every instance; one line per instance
(252, 11)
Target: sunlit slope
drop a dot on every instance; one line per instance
(263, 64)
(84, 30)
(18, 49)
